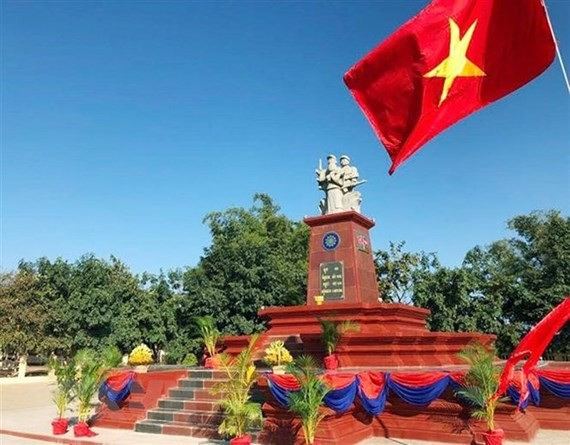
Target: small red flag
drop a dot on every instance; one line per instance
(453, 58)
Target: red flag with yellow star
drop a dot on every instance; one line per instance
(453, 58)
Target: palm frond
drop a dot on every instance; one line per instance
(240, 413)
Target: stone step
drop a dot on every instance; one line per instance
(200, 405)
(158, 427)
(191, 383)
(188, 405)
(186, 417)
(171, 405)
(199, 383)
(181, 393)
(206, 374)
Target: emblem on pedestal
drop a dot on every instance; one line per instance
(331, 240)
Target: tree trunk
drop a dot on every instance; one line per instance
(22, 366)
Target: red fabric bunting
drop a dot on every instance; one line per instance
(419, 379)
(290, 383)
(338, 381)
(558, 376)
(285, 381)
(372, 383)
(117, 381)
(458, 377)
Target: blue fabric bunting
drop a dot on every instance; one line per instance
(281, 395)
(340, 400)
(121, 390)
(419, 395)
(559, 389)
(376, 405)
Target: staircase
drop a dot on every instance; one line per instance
(189, 410)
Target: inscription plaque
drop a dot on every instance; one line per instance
(332, 280)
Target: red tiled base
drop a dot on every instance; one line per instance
(444, 420)
(145, 392)
(389, 335)
(553, 412)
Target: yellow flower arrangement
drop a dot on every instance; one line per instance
(141, 355)
(277, 354)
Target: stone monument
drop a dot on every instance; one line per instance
(341, 267)
(338, 183)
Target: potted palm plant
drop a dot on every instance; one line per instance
(88, 379)
(481, 383)
(277, 356)
(331, 333)
(240, 413)
(63, 393)
(306, 403)
(210, 337)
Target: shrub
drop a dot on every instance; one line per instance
(190, 360)
(111, 356)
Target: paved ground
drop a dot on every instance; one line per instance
(26, 407)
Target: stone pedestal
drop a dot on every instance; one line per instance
(341, 266)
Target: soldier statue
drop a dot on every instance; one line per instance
(338, 183)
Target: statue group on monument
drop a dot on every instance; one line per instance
(338, 183)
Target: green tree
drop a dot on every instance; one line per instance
(157, 315)
(257, 258)
(528, 275)
(25, 316)
(398, 270)
(506, 287)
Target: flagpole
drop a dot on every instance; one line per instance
(556, 46)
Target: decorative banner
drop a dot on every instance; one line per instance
(419, 389)
(117, 387)
(557, 382)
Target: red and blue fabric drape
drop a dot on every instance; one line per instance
(557, 382)
(372, 388)
(117, 387)
(419, 389)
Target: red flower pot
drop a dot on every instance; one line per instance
(83, 430)
(243, 440)
(60, 426)
(331, 362)
(494, 437)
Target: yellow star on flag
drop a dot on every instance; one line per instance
(456, 64)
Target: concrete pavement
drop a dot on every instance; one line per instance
(26, 412)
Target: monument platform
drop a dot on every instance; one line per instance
(389, 334)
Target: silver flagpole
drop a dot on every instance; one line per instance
(556, 46)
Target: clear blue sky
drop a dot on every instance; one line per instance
(124, 123)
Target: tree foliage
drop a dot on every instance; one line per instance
(504, 288)
(257, 258)
(25, 315)
(398, 270)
